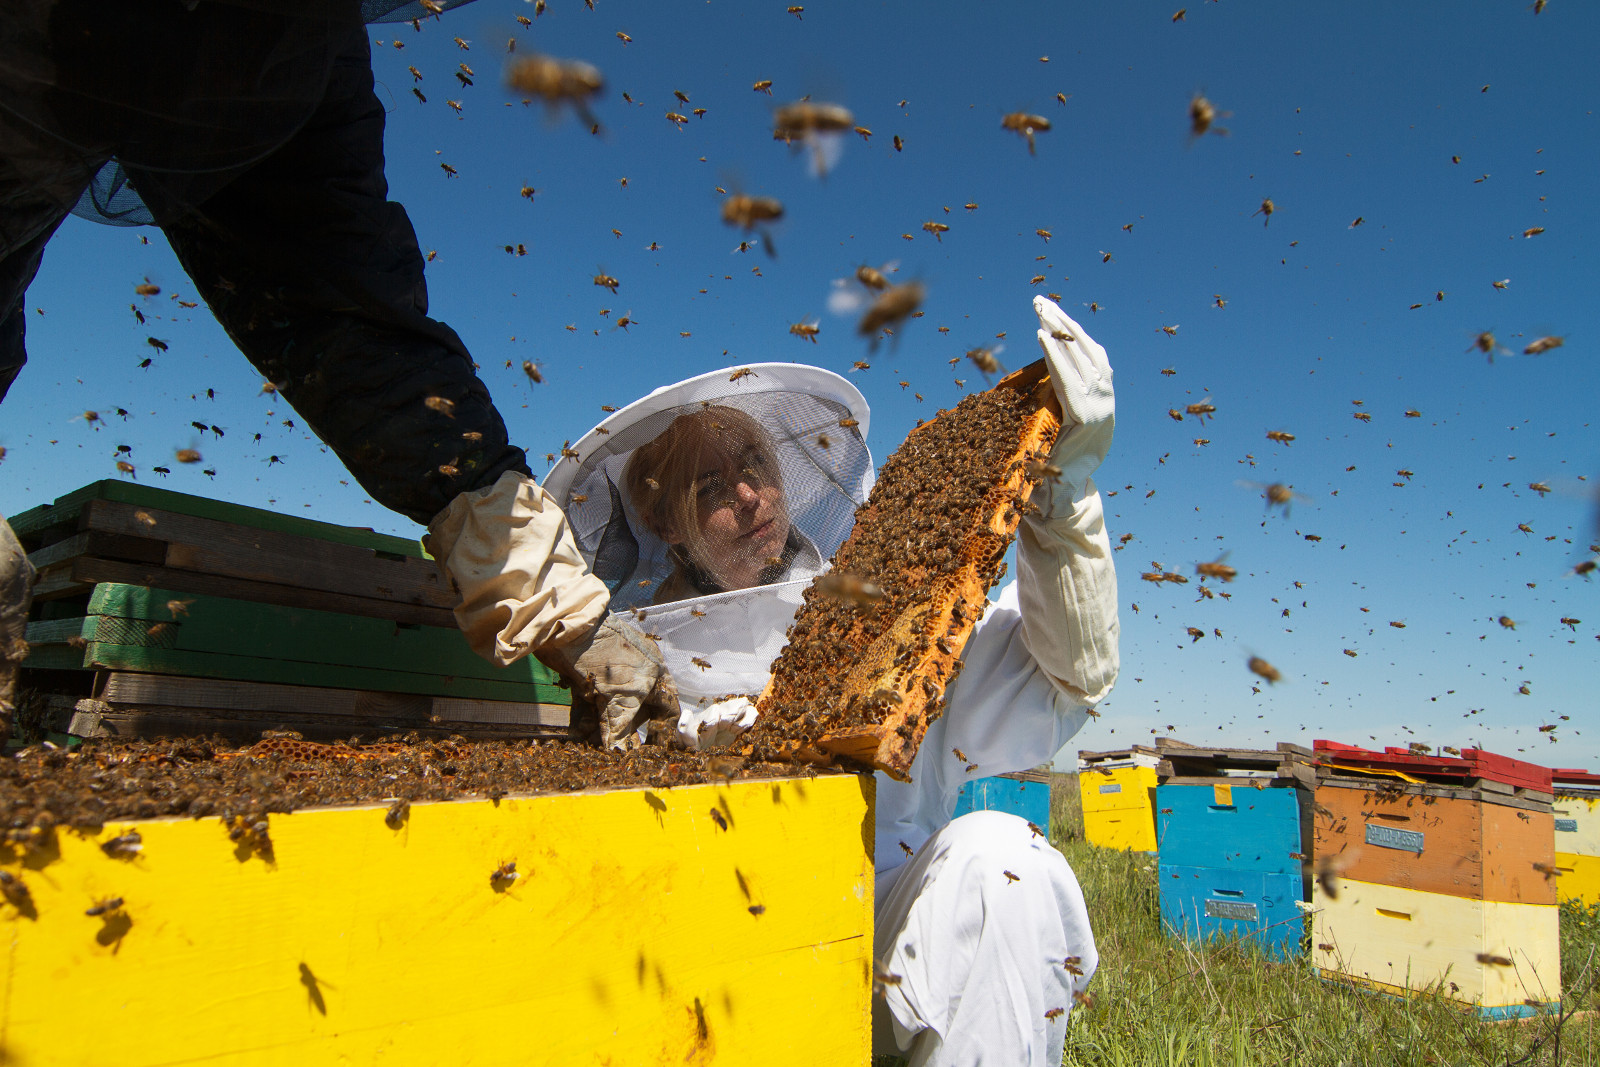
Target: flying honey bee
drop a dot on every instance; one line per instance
(1201, 409)
(806, 331)
(819, 126)
(1543, 344)
(1026, 125)
(147, 288)
(1539, 487)
(873, 278)
(892, 306)
(850, 588)
(1283, 437)
(899, 145)
(1533, 231)
(187, 455)
(533, 371)
(1195, 634)
(752, 213)
(1216, 569)
(1262, 668)
(1202, 114)
(106, 907)
(866, 134)
(1485, 342)
(443, 405)
(1041, 471)
(677, 120)
(557, 82)
(936, 228)
(1265, 211)
(764, 86)
(984, 359)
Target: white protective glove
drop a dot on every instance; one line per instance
(1081, 375)
(509, 551)
(525, 588)
(619, 671)
(1066, 583)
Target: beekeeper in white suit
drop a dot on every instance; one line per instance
(708, 507)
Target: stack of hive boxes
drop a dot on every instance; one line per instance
(1024, 793)
(1437, 874)
(1577, 811)
(1234, 827)
(1118, 790)
(162, 613)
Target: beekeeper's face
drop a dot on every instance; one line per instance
(742, 524)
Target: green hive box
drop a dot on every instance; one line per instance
(158, 612)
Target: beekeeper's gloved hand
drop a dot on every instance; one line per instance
(1066, 584)
(1081, 375)
(618, 670)
(525, 588)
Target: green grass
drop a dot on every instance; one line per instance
(1157, 1000)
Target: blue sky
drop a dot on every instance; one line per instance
(1334, 111)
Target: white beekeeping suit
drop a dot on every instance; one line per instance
(984, 924)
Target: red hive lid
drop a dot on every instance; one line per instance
(1473, 763)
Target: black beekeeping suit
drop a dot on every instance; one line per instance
(251, 135)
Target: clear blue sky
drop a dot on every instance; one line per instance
(1335, 111)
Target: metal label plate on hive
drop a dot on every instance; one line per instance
(1115, 788)
(1232, 909)
(1393, 837)
(1566, 826)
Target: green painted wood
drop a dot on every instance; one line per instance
(219, 626)
(66, 509)
(56, 658)
(102, 656)
(57, 631)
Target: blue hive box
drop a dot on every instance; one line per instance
(1025, 793)
(1234, 836)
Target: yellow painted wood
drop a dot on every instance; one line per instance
(1585, 811)
(1405, 939)
(627, 938)
(1579, 879)
(1118, 807)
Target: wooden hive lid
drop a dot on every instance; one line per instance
(1472, 765)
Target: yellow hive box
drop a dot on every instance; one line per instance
(1578, 847)
(1118, 790)
(1492, 956)
(639, 931)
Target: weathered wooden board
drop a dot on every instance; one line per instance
(153, 705)
(1458, 842)
(212, 547)
(31, 525)
(79, 576)
(638, 932)
(1403, 940)
(135, 628)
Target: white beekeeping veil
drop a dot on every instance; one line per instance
(724, 643)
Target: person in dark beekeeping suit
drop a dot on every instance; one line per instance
(250, 133)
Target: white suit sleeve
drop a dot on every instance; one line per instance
(1068, 589)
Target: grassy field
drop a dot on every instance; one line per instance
(1159, 1001)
